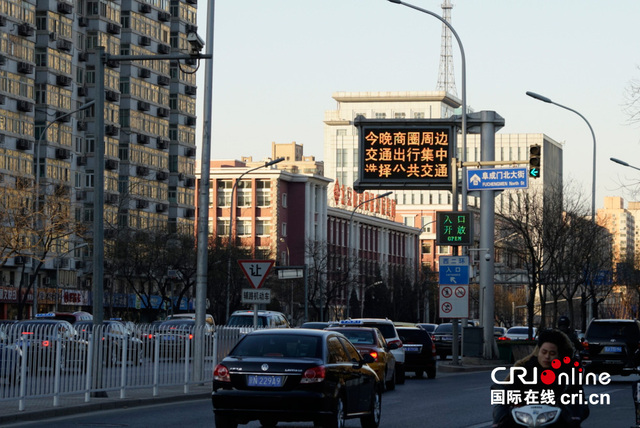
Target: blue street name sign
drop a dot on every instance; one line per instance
(497, 178)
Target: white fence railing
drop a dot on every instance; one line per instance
(54, 360)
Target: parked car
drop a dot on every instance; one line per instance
(429, 327)
(612, 346)
(274, 375)
(71, 317)
(388, 330)
(175, 335)
(39, 338)
(114, 336)
(10, 361)
(369, 340)
(208, 318)
(443, 339)
(499, 332)
(420, 351)
(520, 332)
(266, 319)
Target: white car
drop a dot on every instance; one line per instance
(520, 332)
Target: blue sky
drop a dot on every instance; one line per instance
(277, 63)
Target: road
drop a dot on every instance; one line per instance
(457, 400)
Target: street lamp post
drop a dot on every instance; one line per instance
(593, 135)
(58, 271)
(42, 135)
(233, 190)
(383, 195)
(593, 179)
(464, 98)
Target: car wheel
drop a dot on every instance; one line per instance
(267, 423)
(372, 420)
(431, 373)
(400, 375)
(337, 419)
(225, 422)
(391, 384)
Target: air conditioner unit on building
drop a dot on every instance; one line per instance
(162, 175)
(189, 182)
(25, 67)
(25, 30)
(163, 80)
(63, 80)
(25, 106)
(64, 45)
(190, 152)
(63, 153)
(143, 139)
(142, 171)
(163, 16)
(142, 204)
(81, 195)
(111, 130)
(65, 8)
(144, 73)
(81, 160)
(113, 28)
(190, 90)
(162, 143)
(83, 56)
(163, 112)
(144, 40)
(81, 125)
(23, 144)
(144, 106)
(112, 96)
(164, 49)
(111, 164)
(144, 8)
(83, 21)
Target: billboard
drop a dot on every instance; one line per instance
(405, 153)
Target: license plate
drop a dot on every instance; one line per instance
(412, 348)
(447, 337)
(613, 349)
(266, 381)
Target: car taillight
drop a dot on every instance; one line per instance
(313, 375)
(221, 374)
(433, 349)
(585, 345)
(374, 355)
(503, 338)
(150, 336)
(190, 336)
(45, 343)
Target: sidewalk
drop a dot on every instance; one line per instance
(42, 408)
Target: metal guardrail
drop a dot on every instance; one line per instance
(51, 361)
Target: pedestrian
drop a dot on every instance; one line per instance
(564, 325)
(552, 345)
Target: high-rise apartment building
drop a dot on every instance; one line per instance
(621, 224)
(47, 131)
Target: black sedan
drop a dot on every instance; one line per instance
(295, 375)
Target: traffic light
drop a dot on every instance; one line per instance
(534, 161)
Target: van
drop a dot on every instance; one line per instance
(266, 319)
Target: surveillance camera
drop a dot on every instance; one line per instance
(196, 42)
(487, 256)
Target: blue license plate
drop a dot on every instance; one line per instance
(264, 381)
(412, 348)
(613, 349)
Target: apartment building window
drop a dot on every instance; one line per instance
(88, 180)
(427, 223)
(284, 200)
(244, 227)
(418, 115)
(408, 220)
(224, 193)
(263, 227)
(284, 229)
(222, 227)
(426, 247)
(263, 193)
(244, 193)
(341, 157)
(399, 115)
(444, 249)
(380, 115)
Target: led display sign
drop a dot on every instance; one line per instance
(405, 154)
(454, 228)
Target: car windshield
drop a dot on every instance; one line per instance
(413, 335)
(388, 330)
(359, 337)
(244, 321)
(627, 331)
(279, 345)
(518, 330)
(444, 328)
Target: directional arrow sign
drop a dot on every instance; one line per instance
(256, 270)
(534, 172)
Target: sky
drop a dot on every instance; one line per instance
(278, 62)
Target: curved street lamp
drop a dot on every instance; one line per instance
(593, 135)
(623, 163)
(383, 195)
(42, 135)
(233, 190)
(463, 128)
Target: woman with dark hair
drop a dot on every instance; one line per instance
(552, 345)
